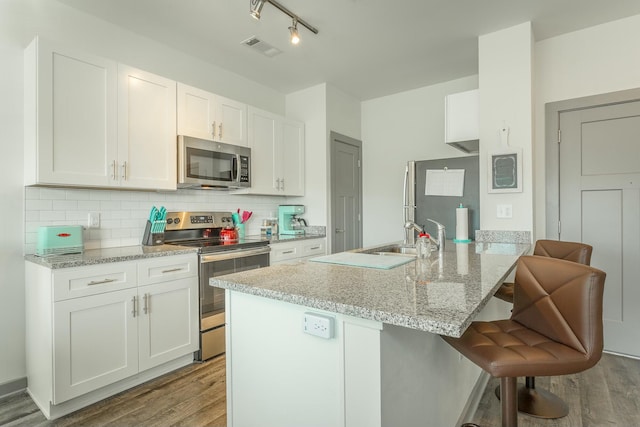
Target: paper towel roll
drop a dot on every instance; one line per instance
(462, 224)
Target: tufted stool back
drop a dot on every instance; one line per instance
(570, 251)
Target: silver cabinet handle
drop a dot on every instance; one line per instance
(100, 282)
(220, 131)
(288, 252)
(213, 130)
(282, 184)
(113, 167)
(171, 270)
(124, 170)
(134, 300)
(340, 230)
(314, 248)
(277, 183)
(146, 303)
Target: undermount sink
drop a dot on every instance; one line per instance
(391, 250)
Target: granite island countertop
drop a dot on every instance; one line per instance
(107, 255)
(441, 295)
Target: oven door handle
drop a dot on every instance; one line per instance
(240, 253)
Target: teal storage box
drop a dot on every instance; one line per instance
(59, 240)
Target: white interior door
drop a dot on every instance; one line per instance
(600, 205)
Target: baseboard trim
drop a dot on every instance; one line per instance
(14, 386)
(471, 406)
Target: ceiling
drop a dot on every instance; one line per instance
(366, 48)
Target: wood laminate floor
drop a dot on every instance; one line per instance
(191, 396)
(606, 395)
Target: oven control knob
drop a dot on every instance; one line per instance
(169, 220)
(176, 221)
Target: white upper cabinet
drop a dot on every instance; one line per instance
(461, 120)
(292, 157)
(205, 115)
(147, 145)
(277, 154)
(70, 116)
(90, 122)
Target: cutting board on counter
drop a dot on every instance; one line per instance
(384, 262)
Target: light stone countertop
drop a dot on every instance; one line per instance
(107, 255)
(441, 296)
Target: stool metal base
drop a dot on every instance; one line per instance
(539, 403)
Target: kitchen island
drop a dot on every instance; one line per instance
(383, 362)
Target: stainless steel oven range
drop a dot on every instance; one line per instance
(217, 257)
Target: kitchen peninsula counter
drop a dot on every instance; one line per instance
(441, 295)
(381, 361)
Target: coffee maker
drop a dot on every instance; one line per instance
(289, 223)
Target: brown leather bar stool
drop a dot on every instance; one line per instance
(555, 327)
(531, 400)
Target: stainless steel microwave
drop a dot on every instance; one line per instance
(215, 165)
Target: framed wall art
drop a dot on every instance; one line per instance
(505, 168)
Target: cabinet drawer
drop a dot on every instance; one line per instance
(93, 279)
(315, 247)
(163, 269)
(284, 252)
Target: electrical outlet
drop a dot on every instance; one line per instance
(318, 325)
(94, 220)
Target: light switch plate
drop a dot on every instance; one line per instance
(504, 211)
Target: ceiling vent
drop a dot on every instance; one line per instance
(262, 47)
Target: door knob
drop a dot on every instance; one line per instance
(340, 230)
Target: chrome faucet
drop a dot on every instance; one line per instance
(441, 236)
(409, 227)
(410, 224)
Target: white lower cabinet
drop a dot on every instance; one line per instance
(165, 322)
(95, 343)
(296, 250)
(93, 331)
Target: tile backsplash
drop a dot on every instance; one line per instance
(123, 214)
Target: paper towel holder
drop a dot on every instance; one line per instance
(465, 228)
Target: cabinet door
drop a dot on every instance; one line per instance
(95, 341)
(70, 116)
(231, 121)
(461, 116)
(168, 322)
(147, 143)
(196, 112)
(292, 158)
(264, 132)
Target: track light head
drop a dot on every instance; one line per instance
(255, 7)
(295, 37)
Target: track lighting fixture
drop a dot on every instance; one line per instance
(255, 7)
(295, 37)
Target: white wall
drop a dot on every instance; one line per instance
(310, 106)
(395, 129)
(20, 21)
(597, 60)
(12, 361)
(505, 70)
(323, 108)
